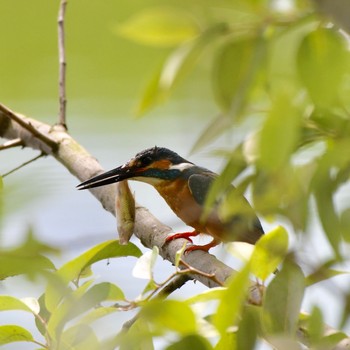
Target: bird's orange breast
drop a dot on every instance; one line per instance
(180, 199)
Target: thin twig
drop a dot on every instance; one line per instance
(11, 144)
(24, 164)
(176, 282)
(28, 126)
(191, 269)
(62, 64)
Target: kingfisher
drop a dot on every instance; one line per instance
(185, 187)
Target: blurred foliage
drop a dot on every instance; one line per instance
(282, 69)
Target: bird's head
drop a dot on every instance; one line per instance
(152, 165)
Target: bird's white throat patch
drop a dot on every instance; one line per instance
(181, 166)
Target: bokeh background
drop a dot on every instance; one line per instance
(106, 75)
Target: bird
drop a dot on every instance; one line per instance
(185, 188)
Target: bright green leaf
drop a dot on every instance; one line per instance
(163, 26)
(280, 132)
(170, 315)
(72, 269)
(283, 297)
(179, 254)
(269, 252)
(235, 70)
(207, 295)
(12, 303)
(193, 341)
(12, 333)
(227, 341)
(317, 55)
(232, 301)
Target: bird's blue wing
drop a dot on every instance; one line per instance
(199, 185)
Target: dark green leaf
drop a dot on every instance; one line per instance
(327, 213)
(283, 299)
(248, 330)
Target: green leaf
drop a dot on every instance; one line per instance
(283, 299)
(323, 272)
(192, 341)
(26, 259)
(215, 128)
(316, 59)
(232, 300)
(12, 303)
(72, 269)
(235, 70)
(179, 254)
(315, 329)
(162, 26)
(248, 329)
(280, 132)
(81, 301)
(269, 252)
(327, 212)
(179, 63)
(227, 341)
(138, 337)
(207, 295)
(170, 315)
(95, 314)
(12, 333)
(79, 337)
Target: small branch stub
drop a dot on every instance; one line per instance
(62, 64)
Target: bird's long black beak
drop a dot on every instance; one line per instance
(115, 175)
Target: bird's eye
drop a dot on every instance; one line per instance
(145, 161)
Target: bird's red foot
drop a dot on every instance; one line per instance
(204, 247)
(185, 235)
